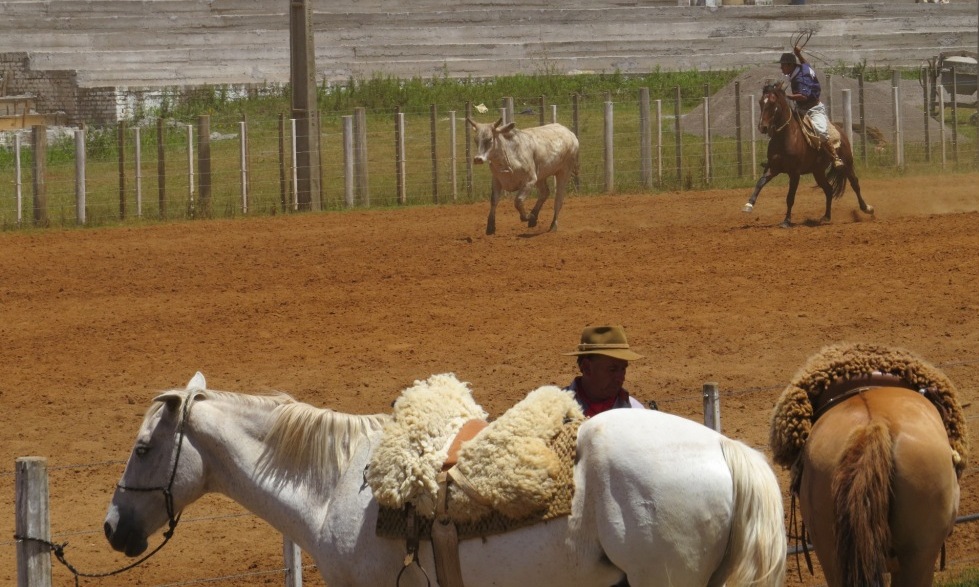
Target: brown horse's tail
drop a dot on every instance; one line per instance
(861, 491)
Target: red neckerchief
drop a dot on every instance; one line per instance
(592, 408)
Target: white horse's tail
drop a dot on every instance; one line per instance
(757, 548)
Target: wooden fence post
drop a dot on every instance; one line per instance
(645, 140)
(453, 176)
(293, 558)
(161, 167)
(707, 146)
(399, 154)
(754, 139)
(243, 155)
(39, 145)
(80, 176)
(283, 185)
(138, 168)
(712, 406)
(848, 116)
(433, 117)
(955, 117)
(204, 163)
(737, 128)
(469, 158)
(659, 142)
(18, 180)
(191, 208)
(609, 148)
(574, 128)
(121, 143)
(360, 152)
(33, 521)
(863, 118)
(348, 161)
(926, 111)
(678, 130)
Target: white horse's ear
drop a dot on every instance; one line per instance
(172, 398)
(197, 382)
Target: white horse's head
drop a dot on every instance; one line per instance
(163, 475)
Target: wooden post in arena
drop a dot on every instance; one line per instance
(121, 135)
(645, 140)
(33, 558)
(712, 406)
(39, 148)
(302, 61)
(161, 167)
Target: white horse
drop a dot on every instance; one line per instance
(659, 500)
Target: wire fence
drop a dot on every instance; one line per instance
(230, 166)
(963, 371)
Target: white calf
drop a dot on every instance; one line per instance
(519, 159)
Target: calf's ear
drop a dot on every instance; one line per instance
(507, 128)
(470, 121)
(498, 122)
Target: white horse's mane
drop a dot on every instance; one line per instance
(316, 443)
(304, 441)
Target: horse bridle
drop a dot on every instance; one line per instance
(172, 519)
(788, 119)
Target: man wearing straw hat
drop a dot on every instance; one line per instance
(603, 357)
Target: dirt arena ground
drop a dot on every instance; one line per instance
(344, 310)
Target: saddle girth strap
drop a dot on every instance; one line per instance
(445, 539)
(445, 536)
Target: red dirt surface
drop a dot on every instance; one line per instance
(344, 310)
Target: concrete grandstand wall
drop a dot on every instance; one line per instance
(95, 47)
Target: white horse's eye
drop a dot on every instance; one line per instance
(141, 450)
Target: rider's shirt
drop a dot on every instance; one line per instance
(805, 82)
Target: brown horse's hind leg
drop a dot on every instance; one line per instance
(820, 176)
(855, 184)
(790, 199)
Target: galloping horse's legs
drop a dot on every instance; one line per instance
(764, 179)
(790, 199)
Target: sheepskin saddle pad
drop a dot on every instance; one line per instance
(519, 467)
(794, 412)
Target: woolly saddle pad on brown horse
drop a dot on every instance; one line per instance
(793, 416)
(520, 465)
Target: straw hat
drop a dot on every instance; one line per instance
(788, 58)
(605, 340)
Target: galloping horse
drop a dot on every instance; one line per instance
(659, 500)
(790, 153)
(876, 442)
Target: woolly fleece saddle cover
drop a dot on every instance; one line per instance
(521, 465)
(792, 418)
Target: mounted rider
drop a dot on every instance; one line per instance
(805, 94)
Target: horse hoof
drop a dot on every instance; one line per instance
(748, 208)
(869, 210)
(786, 224)
(532, 222)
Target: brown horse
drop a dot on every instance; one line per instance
(877, 476)
(790, 153)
